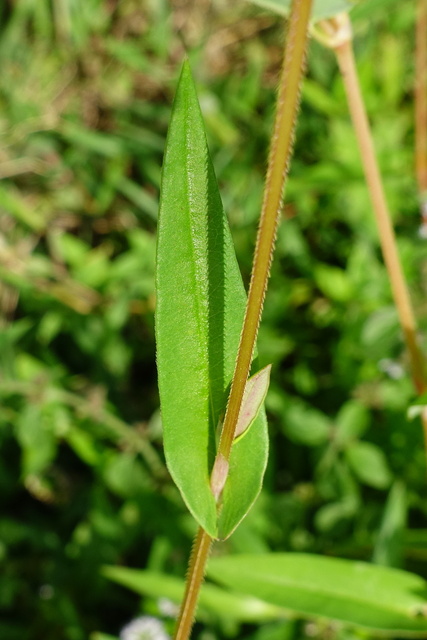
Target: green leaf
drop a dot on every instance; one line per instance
(333, 282)
(388, 600)
(334, 513)
(240, 608)
(244, 478)
(124, 475)
(306, 425)
(37, 439)
(379, 335)
(248, 462)
(351, 422)
(322, 8)
(365, 9)
(200, 308)
(369, 464)
(390, 543)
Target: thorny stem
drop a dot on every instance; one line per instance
(196, 571)
(337, 34)
(278, 163)
(420, 95)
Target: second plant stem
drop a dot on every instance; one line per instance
(421, 104)
(278, 163)
(338, 35)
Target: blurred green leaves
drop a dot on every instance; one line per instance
(322, 8)
(369, 464)
(84, 103)
(389, 546)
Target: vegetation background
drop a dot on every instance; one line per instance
(85, 96)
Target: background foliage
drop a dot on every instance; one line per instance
(85, 97)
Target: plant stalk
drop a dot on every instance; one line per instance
(346, 62)
(196, 571)
(420, 96)
(337, 34)
(278, 163)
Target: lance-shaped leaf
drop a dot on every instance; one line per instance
(321, 8)
(381, 599)
(200, 308)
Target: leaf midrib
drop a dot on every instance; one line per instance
(199, 312)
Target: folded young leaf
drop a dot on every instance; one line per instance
(321, 9)
(253, 399)
(248, 462)
(242, 474)
(200, 308)
(381, 599)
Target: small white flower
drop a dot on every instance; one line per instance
(46, 592)
(144, 628)
(168, 608)
(422, 231)
(393, 369)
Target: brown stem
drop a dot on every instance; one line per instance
(278, 163)
(196, 571)
(420, 94)
(280, 154)
(345, 57)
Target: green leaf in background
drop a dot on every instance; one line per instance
(369, 464)
(334, 513)
(37, 439)
(306, 425)
(333, 282)
(238, 607)
(365, 9)
(380, 332)
(200, 307)
(381, 599)
(389, 545)
(322, 8)
(351, 422)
